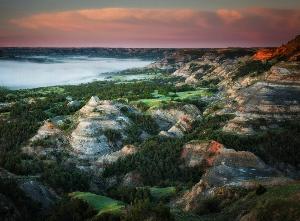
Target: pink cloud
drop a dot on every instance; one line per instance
(134, 27)
(90, 18)
(229, 16)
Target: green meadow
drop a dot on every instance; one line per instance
(102, 204)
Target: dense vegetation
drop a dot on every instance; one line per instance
(158, 162)
(252, 68)
(65, 178)
(71, 210)
(282, 149)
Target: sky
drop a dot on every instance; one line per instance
(148, 23)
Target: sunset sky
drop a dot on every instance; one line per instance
(148, 23)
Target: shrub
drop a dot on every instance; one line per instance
(278, 210)
(71, 210)
(252, 67)
(107, 217)
(112, 135)
(46, 142)
(282, 149)
(19, 163)
(260, 190)
(158, 161)
(145, 122)
(208, 205)
(3, 93)
(65, 179)
(129, 194)
(145, 210)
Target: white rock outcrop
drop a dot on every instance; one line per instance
(96, 117)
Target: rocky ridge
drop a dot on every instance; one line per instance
(224, 169)
(32, 188)
(276, 98)
(270, 91)
(95, 118)
(289, 51)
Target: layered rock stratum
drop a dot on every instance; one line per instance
(224, 169)
(175, 121)
(95, 119)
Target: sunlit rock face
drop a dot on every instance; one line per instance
(289, 51)
(95, 119)
(264, 54)
(46, 130)
(193, 71)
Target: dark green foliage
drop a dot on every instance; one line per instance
(282, 149)
(46, 142)
(278, 210)
(145, 210)
(200, 104)
(233, 53)
(138, 71)
(19, 163)
(145, 122)
(208, 205)
(124, 110)
(208, 127)
(112, 135)
(3, 93)
(65, 178)
(110, 90)
(252, 67)
(210, 83)
(260, 190)
(141, 122)
(22, 124)
(158, 162)
(14, 133)
(71, 210)
(142, 106)
(134, 133)
(129, 194)
(62, 109)
(24, 121)
(195, 67)
(107, 217)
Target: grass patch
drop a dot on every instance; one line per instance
(160, 99)
(100, 203)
